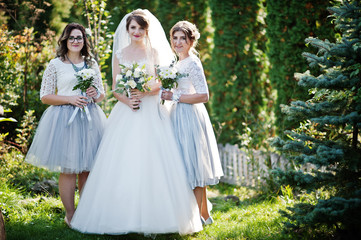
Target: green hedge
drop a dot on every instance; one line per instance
(288, 24)
(236, 82)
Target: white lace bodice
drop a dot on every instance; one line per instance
(195, 82)
(59, 78)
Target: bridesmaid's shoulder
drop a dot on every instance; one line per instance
(55, 62)
(194, 60)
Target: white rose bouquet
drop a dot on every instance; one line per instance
(168, 77)
(132, 77)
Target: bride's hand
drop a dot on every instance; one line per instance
(133, 103)
(137, 94)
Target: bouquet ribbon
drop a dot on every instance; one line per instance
(76, 111)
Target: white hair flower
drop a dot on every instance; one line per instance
(197, 35)
(88, 32)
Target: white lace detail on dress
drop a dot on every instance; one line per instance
(195, 82)
(48, 84)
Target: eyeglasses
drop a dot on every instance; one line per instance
(72, 39)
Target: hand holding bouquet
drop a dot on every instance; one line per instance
(132, 77)
(85, 79)
(168, 77)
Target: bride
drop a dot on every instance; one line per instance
(138, 183)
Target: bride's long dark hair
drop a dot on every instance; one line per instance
(62, 43)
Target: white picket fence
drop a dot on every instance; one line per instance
(251, 169)
(248, 169)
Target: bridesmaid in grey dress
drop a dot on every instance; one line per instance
(60, 144)
(190, 118)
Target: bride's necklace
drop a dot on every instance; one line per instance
(76, 69)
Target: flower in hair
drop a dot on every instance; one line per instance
(196, 35)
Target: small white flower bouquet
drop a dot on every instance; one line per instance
(168, 77)
(132, 77)
(85, 79)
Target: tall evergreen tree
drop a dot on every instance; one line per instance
(328, 137)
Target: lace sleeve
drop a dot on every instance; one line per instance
(48, 84)
(197, 76)
(98, 81)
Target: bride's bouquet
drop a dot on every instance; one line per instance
(132, 77)
(85, 79)
(168, 77)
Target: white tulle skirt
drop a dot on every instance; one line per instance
(65, 148)
(138, 183)
(195, 136)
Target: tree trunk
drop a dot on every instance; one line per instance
(2, 227)
(354, 136)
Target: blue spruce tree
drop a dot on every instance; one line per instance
(328, 137)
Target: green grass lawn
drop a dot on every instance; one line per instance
(28, 216)
(41, 217)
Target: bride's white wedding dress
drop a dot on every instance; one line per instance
(138, 183)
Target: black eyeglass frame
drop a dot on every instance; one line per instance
(72, 39)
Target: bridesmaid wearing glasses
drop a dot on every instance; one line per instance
(60, 144)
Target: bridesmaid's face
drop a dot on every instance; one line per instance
(180, 42)
(135, 31)
(75, 42)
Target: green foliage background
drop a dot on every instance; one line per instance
(288, 24)
(250, 50)
(237, 82)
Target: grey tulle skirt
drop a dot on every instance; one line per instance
(67, 148)
(195, 136)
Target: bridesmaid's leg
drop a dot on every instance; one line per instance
(82, 177)
(67, 183)
(204, 210)
(198, 193)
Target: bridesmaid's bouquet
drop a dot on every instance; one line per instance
(132, 77)
(168, 77)
(85, 79)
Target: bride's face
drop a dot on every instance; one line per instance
(180, 43)
(136, 32)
